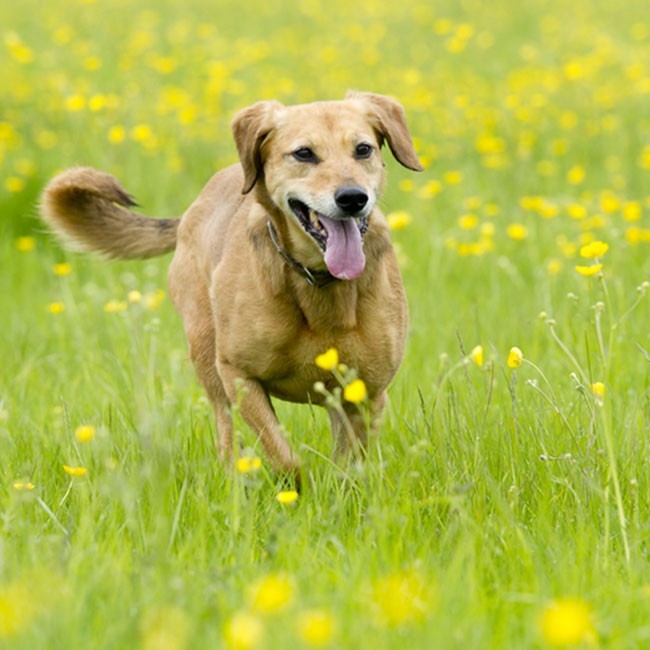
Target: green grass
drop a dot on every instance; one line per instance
(491, 491)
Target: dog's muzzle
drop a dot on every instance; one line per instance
(340, 237)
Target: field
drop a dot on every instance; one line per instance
(506, 502)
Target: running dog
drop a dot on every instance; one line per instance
(281, 257)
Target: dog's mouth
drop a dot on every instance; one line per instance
(341, 240)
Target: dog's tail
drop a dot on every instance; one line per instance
(89, 210)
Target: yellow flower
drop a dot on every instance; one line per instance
(14, 184)
(476, 355)
(328, 360)
(487, 229)
(515, 358)
(248, 464)
(75, 103)
(400, 598)
(576, 211)
(97, 102)
(548, 210)
(567, 621)
(23, 486)
(609, 202)
(154, 300)
(244, 631)
(598, 389)
(588, 271)
(271, 594)
(594, 250)
(474, 248)
(62, 269)
(115, 306)
(355, 392)
(442, 26)
(492, 209)
(84, 433)
(17, 608)
(468, 222)
(286, 497)
(162, 64)
(56, 308)
(18, 50)
(430, 189)
(165, 628)
(634, 235)
(75, 472)
(25, 244)
(453, 177)
(134, 296)
(554, 266)
(632, 211)
(574, 70)
(517, 231)
(63, 35)
(92, 63)
(141, 133)
(489, 144)
(644, 158)
(316, 627)
(576, 175)
(531, 203)
(116, 134)
(399, 220)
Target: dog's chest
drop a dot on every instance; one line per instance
(285, 365)
(277, 341)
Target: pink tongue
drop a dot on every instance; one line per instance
(343, 253)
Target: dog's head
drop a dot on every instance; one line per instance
(321, 166)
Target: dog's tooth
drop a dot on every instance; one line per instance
(317, 225)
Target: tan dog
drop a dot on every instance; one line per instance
(279, 258)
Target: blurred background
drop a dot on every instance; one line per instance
(531, 119)
(514, 98)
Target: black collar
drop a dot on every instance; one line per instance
(316, 278)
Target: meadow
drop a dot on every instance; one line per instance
(506, 502)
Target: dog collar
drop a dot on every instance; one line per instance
(318, 279)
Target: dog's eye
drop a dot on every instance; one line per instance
(363, 150)
(304, 154)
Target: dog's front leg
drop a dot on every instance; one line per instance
(258, 413)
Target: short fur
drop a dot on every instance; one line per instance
(254, 324)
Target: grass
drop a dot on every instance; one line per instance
(492, 491)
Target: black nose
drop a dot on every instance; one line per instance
(351, 199)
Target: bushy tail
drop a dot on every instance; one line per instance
(89, 210)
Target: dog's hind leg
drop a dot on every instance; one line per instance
(192, 302)
(203, 355)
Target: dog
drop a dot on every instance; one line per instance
(281, 257)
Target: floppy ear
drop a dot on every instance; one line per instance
(388, 118)
(250, 127)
